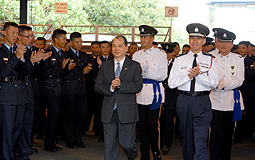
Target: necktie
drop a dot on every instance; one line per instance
(11, 50)
(117, 73)
(77, 53)
(192, 85)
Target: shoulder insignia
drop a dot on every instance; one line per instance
(182, 54)
(208, 54)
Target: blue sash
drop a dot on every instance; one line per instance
(155, 104)
(237, 107)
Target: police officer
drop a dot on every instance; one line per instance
(50, 86)
(74, 92)
(13, 69)
(154, 70)
(225, 97)
(215, 52)
(168, 111)
(195, 74)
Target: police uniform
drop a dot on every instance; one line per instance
(194, 107)
(168, 111)
(12, 99)
(231, 71)
(50, 92)
(98, 128)
(74, 98)
(149, 98)
(23, 145)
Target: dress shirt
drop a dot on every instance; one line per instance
(205, 81)
(76, 52)
(115, 67)
(157, 70)
(231, 69)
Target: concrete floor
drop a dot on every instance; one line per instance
(95, 151)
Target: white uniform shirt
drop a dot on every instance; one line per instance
(231, 69)
(156, 59)
(214, 52)
(207, 80)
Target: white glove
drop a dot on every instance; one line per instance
(221, 84)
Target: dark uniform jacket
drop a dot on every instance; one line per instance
(12, 73)
(73, 81)
(50, 83)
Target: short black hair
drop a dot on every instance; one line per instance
(75, 35)
(124, 38)
(102, 42)
(41, 39)
(67, 40)
(24, 28)
(176, 43)
(57, 33)
(186, 45)
(133, 44)
(95, 42)
(154, 43)
(8, 24)
(247, 43)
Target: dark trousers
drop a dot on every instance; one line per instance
(222, 128)
(98, 125)
(195, 116)
(74, 114)
(52, 105)
(11, 122)
(116, 132)
(148, 130)
(23, 143)
(167, 125)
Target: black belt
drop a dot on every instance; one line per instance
(14, 78)
(195, 93)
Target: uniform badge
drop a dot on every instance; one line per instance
(167, 47)
(142, 30)
(5, 59)
(232, 71)
(196, 29)
(225, 35)
(53, 59)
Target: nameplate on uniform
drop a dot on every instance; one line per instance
(184, 67)
(53, 59)
(5, 59)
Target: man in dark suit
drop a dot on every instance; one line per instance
(50, 86)
(119, 80)
(74, 93)
(105, 56)
(12, 100)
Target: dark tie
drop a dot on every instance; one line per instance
(192, 85)
(11, 50)
(117, 73)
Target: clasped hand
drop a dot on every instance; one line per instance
(193, 72)
(115, 83)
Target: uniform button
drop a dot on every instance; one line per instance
(15, 85)
(223, 75)
(78, 78)
(67, 81)
(223, 67)
(146, 85)
(0, 86)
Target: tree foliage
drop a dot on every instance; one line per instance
(92, 12)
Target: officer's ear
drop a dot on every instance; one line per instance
(204, 40)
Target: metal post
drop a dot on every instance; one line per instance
(60, 20)
(133, 33)
(170, 33)
(96, 33)
(23, 12)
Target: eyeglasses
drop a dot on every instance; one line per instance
(28, 36)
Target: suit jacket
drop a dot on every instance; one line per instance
(50, 83)
(73, 81)
(125, 95)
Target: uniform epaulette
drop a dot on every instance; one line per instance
(237, 55)
(182, 54)
(207, 54)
